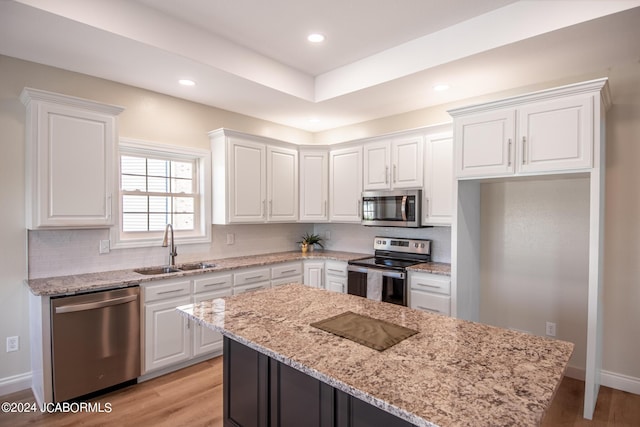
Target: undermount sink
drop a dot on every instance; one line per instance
(196, 266)
(156, 270)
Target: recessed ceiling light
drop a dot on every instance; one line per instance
(315, 38)
(314, 120)
(440, 87)
(186, 82)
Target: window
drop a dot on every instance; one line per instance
(162, 185)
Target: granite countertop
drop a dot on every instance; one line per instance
(452, 373)
(432, 267)
(78, 283)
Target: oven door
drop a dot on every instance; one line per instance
(393, 284)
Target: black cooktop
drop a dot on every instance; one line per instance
(391, 263)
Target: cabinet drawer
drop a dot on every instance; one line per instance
(286, 270)
(430, 302)
(286, 280)
(336, 268)
(167, 290)
(430, 283)
(250, 288)
(212, 283)
(251, 276)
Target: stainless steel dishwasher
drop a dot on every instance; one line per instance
(95, 341)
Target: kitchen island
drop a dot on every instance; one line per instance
(451, 373)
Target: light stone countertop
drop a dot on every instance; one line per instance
(78, 283)
(432, 267)
(452, 373)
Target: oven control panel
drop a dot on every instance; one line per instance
(414, 246)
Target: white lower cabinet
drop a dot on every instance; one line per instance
(206, 340)
(289, 272)
(314, 274)
(336, 276)
(167, 338)
(251, 279)
(430, 292)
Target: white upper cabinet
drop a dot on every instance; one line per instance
(485, 144)
(282, 184)
(438, 180)
(70, 154)
(556, 135)
(541, 133)
(247, 181)
(314, 185)
(254, 179)
(391, 164)
(345, 184)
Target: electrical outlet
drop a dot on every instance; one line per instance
(551, 329)
(231, 238)
(104, 246)
(13, 343)
(327, 235)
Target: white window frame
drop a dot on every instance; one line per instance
(202, 231)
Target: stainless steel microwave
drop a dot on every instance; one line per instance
(398, 208)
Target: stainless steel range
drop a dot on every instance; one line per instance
(384, 276)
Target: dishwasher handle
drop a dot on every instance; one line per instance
(71, 308)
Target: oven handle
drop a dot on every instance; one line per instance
(386, 273)
(403, 208)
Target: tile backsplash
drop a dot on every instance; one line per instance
(65, 252)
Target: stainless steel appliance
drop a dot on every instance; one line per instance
(392, 257)
(95, 341)
(399, 208)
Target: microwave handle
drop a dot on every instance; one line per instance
(403, 208)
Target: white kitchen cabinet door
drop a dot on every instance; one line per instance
(335, 278)
(377, 164)
(247, 189)
(407, 162)
(437, 205)
(314, 273)
(282, 184)
(345, 184)
(206, 340)
(556, 135)
(485, 144)
(393, 164)
(314, 186)
(70, 165)
(167, 334)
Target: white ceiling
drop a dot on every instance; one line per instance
(380, 58)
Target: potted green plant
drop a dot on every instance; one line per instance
(309, 240)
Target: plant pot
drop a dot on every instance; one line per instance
(304, 247)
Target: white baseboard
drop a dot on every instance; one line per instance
(575, 373)
(15, 383)
(620, 382)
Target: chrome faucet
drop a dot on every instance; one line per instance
(173, 249)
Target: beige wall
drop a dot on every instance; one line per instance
(148, 116)
(156, 117)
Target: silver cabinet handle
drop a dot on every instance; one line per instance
(334, 270)
(208, 285)
(170, 292)
(264, 208)
(426, 208)
(509, 153)
(293, 270)
(270, 208)
(325, 207)
(394, 174)
(428, 286)
(386, 175)
(254, 277)
(524, 142)
(359, 212)
(255, 288)
(93, 305)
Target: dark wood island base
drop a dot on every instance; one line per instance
(259, 391)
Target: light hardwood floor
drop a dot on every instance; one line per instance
(193, 397)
